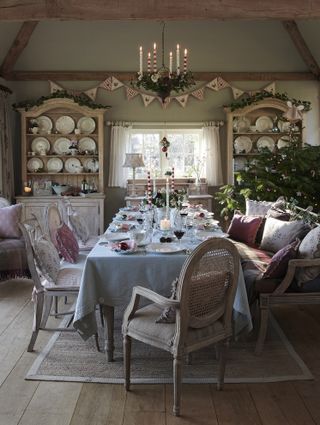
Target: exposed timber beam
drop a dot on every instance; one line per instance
(302, 47)
(19, 43)
(22, 10)
(128, 76)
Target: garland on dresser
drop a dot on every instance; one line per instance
(81, 99)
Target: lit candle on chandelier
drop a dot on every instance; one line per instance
(170, 62)
(149, 63)
(149, 194)
(154, 57)
(140, 61)
(172, 179)
(185, 60)
(178, 59)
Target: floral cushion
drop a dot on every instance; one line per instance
(257, 207)
(67, 243)
(277, 268)
(309, 248)
(244, 228)
(80, 227)
(277, 233)
(9, 222)
(47, 259)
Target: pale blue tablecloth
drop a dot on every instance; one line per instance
(108, 278)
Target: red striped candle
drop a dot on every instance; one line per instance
(149, 63)
(172, 179)
(149, 193)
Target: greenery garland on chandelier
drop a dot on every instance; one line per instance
(81, 99)
(257, 97)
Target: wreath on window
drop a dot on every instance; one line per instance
(164, 143)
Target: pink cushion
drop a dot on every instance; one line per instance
(244, 228)
(67, 243)
(278, 265)
(9, 221)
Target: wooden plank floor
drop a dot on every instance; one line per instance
(55, 403)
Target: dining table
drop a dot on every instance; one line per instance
(109, 276)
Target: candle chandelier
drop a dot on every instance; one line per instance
(164, 80)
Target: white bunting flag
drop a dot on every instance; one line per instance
(198, 94)
(147, 99)
(131, 93)
(213, 85)
(116, 84)
(54, 87)
(92, 93)
(270, 88)
(182, 100)
(106, 84)
(236, 92)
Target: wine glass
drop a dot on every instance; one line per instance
(178, 228)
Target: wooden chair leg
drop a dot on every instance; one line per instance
(46, 311)
(56, 301)
(108, 314)
(101, 315)
(264, 314)
(223, 349)
(177, 370)
(38, 310)
(127, 361)
(96, 338)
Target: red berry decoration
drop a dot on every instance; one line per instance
(164, 149)
(201, 215)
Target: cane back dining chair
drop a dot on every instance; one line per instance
(205, 293)
(50, 281)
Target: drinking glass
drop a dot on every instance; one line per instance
(178, 227)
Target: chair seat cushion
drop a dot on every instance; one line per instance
(67, 279)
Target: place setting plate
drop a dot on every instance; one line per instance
(242, 144)
(65, 124)
(40, 144)
(265, 142)
(114, 237)
(45, 124)
(86, 125)
(54, 165)
(164, 248)
(62, 146)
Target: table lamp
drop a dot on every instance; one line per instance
(133, 160)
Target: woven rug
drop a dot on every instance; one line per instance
(68, 358)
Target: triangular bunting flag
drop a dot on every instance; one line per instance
(106, 84)
(115, 84)
(182, 100)
(270, 88)
(74, 92)
(92, 93)
(164, 103)
(199, 94)
(236, 92)
(131, 93)
(222, 84)
(147, 99)
(54, 87)
(213, 85)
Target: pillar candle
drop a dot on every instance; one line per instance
(149, 63)
(178, 59)
(140, 60)
(170, 62)
(185, 60)
(154, 57)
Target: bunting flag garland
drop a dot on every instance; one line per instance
(112, 83)
(198, 94)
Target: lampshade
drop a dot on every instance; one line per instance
(133, 160)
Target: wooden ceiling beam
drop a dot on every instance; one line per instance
(128, 76)
(302, 47)
(22, 10)
(18, 45)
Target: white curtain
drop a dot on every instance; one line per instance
(118, 175)
(211, 150)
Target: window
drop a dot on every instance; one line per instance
(184, 153)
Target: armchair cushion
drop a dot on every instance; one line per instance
(308, 249)
(257, 207)
(278, 265)
(67, 243)
(244, 228)
(9, 222)
(47, 259)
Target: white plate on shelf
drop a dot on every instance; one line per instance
(91, 165)
(86, 125)
(72, 165)
(34, 164)
(283, 126)
(283, 142)
(62, 146)
(265, 142)
(54, 165)
(239, 164)
(242, 144)
(164, 248)
(264, 124)
(45, 124)
(40, 144)
(65, 124)
(242, 124)
(87, 144)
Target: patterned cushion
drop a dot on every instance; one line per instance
(278, 266)
(309, 248)
(257, 207)
(277, 233)
(9, 221)
(47, 259)
(80, 227)
(244, 228)
(67, 243)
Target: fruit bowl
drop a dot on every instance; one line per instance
(60, 188)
